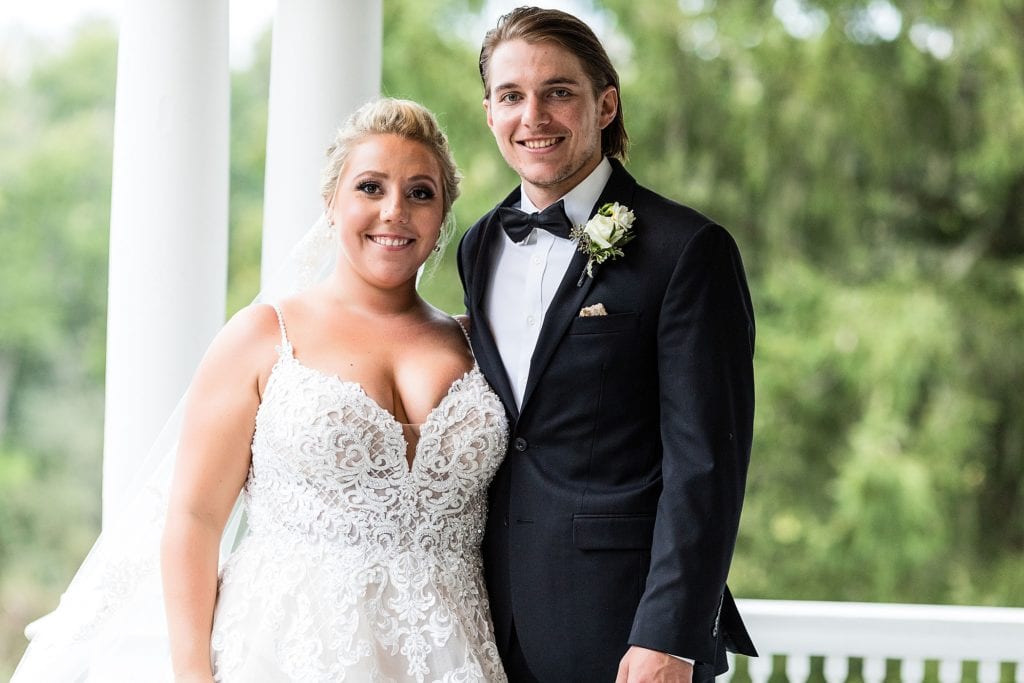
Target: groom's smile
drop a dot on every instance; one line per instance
(546, 116)
(546, 143)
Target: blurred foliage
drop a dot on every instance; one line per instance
(865, 155)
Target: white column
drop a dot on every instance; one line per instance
(325, 62)
(168, 222)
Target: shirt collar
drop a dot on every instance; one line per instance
(580, 200)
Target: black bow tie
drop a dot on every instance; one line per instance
(518, 224)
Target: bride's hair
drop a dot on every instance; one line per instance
(404, 118)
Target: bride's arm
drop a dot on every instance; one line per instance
(211, 466)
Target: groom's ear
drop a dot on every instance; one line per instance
(487, 108)
(607, 106)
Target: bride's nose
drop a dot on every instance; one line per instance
(395, 210)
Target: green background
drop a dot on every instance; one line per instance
(874, 182)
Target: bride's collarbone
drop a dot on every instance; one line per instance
(407, 382)
(406, 364)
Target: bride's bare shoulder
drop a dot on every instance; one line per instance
(254, 323)
(248, 338)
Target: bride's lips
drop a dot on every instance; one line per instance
(391, 242)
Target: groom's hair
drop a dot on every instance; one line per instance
(535, 25)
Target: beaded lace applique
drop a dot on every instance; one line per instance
(358, 566)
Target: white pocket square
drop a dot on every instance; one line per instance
(593, 310)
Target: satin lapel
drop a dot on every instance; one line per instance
(568, 299)
(564, 307)
(484, 346)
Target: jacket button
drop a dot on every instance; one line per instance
(520, 444)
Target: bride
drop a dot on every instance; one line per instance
(362, 436)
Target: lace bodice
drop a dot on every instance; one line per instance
(357, 565)
(347, 479)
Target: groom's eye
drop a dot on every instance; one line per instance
(510, 98)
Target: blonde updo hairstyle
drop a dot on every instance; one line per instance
(390, 116)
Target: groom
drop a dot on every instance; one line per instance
(629, 385)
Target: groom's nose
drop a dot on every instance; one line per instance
(534, 112)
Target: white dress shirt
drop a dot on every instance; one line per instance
(527, 274)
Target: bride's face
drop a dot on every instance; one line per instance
(388, 208)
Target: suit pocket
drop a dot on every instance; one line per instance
(601, 324)
(612, 532)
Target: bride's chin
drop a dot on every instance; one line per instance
(383, 275)
(394, 280)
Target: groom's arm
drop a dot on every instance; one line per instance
(705, 347)
(462, 259)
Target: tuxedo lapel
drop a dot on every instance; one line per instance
(564, 307)
(569, 297)
(484, 346)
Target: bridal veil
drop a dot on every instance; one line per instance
(110, 625)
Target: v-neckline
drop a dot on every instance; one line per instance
(395, 424)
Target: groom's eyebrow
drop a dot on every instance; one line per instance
(557, 80)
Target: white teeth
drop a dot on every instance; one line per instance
(389, 241)
(540, 144)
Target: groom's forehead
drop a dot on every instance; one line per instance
(515, 61)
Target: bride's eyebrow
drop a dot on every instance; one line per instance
(421, 178)
(371, 174)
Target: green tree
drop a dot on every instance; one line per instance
(54, 217)
(872, 184)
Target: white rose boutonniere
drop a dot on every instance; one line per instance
(603, 235)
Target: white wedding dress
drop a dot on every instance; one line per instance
(355, 565)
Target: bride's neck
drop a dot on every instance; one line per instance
(359, 295)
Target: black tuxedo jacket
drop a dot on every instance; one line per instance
(613, 519)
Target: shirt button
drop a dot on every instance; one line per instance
(536, 260)
(520, 444)
(531, 321)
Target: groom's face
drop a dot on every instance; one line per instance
(546, 116)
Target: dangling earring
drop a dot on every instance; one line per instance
(436, 249)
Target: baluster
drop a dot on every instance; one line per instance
(759, 668)
(874, 670)
(836, 669)
(798, 668)
(988, 672)
(730, 659)
(949, 671)
(912, 671)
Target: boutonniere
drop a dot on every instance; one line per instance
(603, 236)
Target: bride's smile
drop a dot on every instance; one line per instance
(387, 209)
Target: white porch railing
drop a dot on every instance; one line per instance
(842, 632)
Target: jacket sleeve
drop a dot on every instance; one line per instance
(465, 265)
(706, 388)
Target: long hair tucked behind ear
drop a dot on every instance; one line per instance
(535, 25)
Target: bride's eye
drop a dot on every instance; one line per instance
(369, 187)
(423, 193)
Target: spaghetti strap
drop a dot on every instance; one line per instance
(465, 332)
(285, 349)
